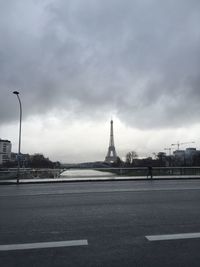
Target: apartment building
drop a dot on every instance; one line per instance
(5, 151)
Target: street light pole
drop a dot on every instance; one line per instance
(19, 144)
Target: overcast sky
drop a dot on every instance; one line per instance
(78, 63)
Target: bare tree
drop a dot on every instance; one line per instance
(131, 158)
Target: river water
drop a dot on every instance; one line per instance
(84, 173)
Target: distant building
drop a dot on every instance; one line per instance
(13, 156)
(186, 157)
(24, 158)
(190, 155)
(5, 151)
(179, 157)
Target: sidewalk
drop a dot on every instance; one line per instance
(90, 179)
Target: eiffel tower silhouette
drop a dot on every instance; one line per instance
(111, 155)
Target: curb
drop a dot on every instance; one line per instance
(93, 179)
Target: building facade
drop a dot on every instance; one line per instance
(5, 151)
(186, 157)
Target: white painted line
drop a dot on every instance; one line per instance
(44, 245)
(172, 237)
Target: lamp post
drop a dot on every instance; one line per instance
(19, 144)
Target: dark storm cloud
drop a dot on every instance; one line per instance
(140, 59)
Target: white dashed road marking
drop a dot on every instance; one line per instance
(173, 236)
(44, 245)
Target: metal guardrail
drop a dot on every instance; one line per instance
(142, 171)
(157, 171)
(27, 173)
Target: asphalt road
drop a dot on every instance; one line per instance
(113, 217)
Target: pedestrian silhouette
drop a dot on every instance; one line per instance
(149, 172)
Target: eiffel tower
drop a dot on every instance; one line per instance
(111, 155)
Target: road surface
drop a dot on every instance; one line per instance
(131, 223)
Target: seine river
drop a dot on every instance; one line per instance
(84, 173)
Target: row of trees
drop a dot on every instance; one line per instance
(33, 161)
(160, 160)
(39, 161)
(133, 161)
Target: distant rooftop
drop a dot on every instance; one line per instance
(3, 140)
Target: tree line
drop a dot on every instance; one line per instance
(159, 160)
(33, 161)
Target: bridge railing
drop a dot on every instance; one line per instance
(26, 173)
(157, 171)
(140, 171)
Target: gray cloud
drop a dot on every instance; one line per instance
(140, 59)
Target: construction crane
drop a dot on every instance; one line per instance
(178, 144)
(168, 149)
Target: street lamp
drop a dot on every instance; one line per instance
(20, 127)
